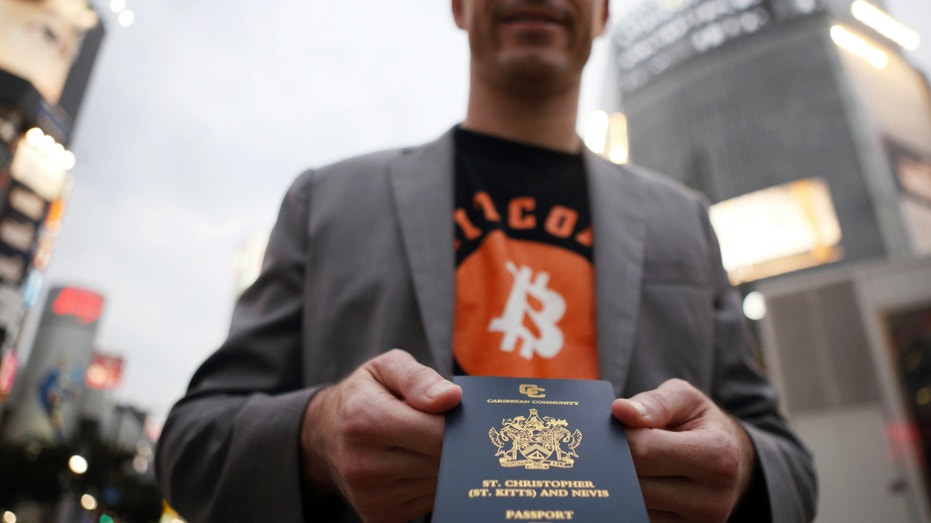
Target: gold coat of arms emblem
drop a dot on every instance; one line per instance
(535, 443)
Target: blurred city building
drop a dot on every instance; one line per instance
(49, 396)
(68, 450)
(799, 114)
(850, 349)
(810, 134)
(63, 405)
(247, 261)
(47, 53)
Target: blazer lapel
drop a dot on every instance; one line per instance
(422, 182)
(619, 223)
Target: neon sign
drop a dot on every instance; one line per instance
(85, 306)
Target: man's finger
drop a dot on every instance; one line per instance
(422, 387)
(416, 431)
(672, 404)
(678, 496)
(630, 413)
(373, 415)
(407, 501)
(667, 494)
(399, 466)
(698, 455)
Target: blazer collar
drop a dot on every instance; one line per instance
(619, 225)
(422, 182)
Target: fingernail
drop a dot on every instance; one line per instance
(438, 389)
(639, 407)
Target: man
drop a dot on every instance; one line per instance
(561, 265)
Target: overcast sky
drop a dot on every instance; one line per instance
(196, 120)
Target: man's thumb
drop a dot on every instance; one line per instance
(422, 387)
(671, 404)
(631, 413)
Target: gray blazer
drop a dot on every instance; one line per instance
(361, 260)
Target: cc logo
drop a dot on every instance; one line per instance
(532, 391)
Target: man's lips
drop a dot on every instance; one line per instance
(522, 14)
(532, 17)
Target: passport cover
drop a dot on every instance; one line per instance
(536, 451)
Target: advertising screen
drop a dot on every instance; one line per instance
(41, 39)
(55, 380)
(777, 230)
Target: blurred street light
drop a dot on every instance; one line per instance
(886, 25)
(606, 134)
(77, 464)
(754, 306)
(126, 18)
(859, 46)
(88, 502)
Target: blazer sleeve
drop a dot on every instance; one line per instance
(784, 487)
(230, 448)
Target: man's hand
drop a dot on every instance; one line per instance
(377, 436)
(693, 460)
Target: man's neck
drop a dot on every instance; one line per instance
(543, 120)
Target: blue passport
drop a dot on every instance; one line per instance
(536, 451)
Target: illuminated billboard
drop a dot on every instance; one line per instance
(55, 381)
(104, 372)
(9, 364)
(21, 219)
(912, 171)
(41, 39)
(47, 53)
(777, 230)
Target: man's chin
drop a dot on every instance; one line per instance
(535, 72)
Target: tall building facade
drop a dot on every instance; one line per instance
(811, 136)
(738, 96)
(47, 53)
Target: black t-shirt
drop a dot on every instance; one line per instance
(524, 276)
